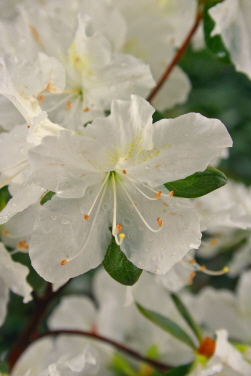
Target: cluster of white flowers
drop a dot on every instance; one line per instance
(85, 164)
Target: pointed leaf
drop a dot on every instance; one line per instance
(4, 197)
(118, 267)
(198, 184)
(187, 317)
(48, 196)
(167, 325)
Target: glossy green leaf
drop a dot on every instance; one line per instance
(187, 317)
(48, 196)
(167, 325)
(180, 371)
(215, 43)
(4, 196)
(4, 368)
(118, 267)
(198, 184)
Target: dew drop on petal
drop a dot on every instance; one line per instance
(105, 206)
(65, 221)
(46, 229)
(126, 222)
(53, 217)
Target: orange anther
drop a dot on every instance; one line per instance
(203, 267)
(86, 109)
(171, 193)
(160, 222)
(158, 194)
(28, 126)
(193, 261)
(68, 105)
(86, 217)
(191, 278)
(118, 229)
(41, 98)
(207, 347)
(6, 232)
(124, 171)
(63, 262)
(22, 245)
(213, 242)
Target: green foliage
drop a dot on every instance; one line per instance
(187, 317)
(121, 367)
(215, 43)
(4, 368)
(198, 184)
(118, 267)
(48, 196)
(4, 197)
(167, 325)
(180, 371)
(157, 116)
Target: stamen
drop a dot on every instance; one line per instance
(158, 194)
(151, 189)
(114, 222)
(124, 171)
(86, 216)
(118, 228)
(86, 109)
(6, 181)
(15, 165)
(203, 268)
(140, 191)
(122, 236)
(64, 262)
(137, 210)
(171, 193)
(58, 104)
(160, 222)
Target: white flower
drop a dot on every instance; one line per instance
(106, 178)
(233, 22)
(12, 276)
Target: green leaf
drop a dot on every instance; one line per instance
(215, 43)
(4, 368)
(179, 371)
(198, 184)
(4, 197)
(158, 116)
(48, 196)
(167, 325)
(187, 317)
(118, 267)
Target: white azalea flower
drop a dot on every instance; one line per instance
(106, 178)
(12, 276)
(233, 22)
(65, 356)
(95, 74)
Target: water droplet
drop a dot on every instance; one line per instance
(46, 229)
(147, 167)
(141, 228)
(105, 206)
(127, 222)
(53, 217)
(65, 221)
(13, 204)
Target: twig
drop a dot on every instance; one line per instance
(157, 365)
(25, 337)
(177, 56)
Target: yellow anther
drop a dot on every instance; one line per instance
(122, 236)
(86, 217)
(158, 194)
(171, 193)
(225, 269)
(63, 262)
(160, 222)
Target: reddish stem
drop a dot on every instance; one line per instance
(26, 335)
(157, 365)
(177, 56)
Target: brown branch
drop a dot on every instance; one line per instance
(26, 335)
(157, 365)
(177, 56)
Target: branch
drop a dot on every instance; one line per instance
(25, 337)
(178, 55)
(157, 365)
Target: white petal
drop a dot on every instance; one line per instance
(157, 252)
(4, 298)
(182, 146)
(61, 233)
(14, 275)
